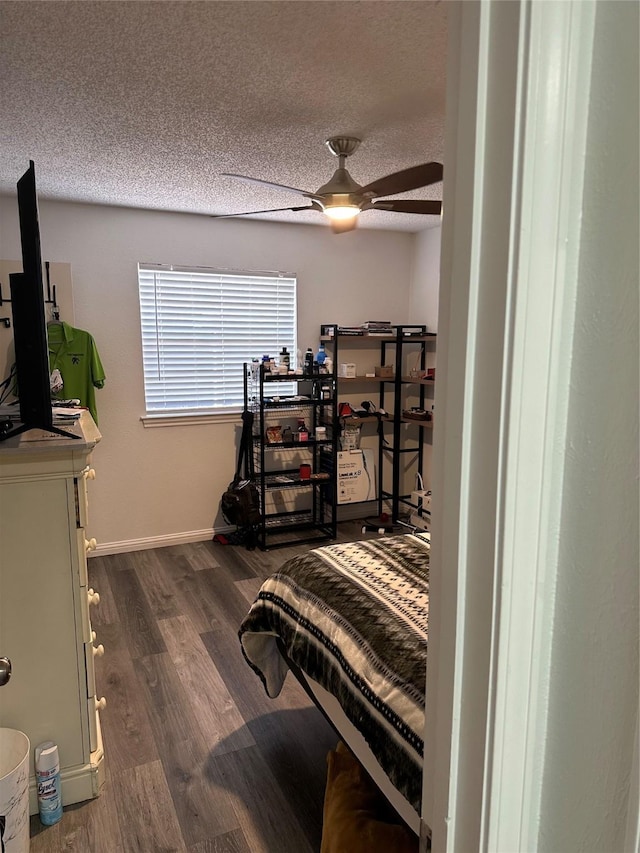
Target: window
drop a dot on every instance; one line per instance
(198, 328)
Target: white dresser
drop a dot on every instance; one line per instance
(45, 603)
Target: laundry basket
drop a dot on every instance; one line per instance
(14, 791)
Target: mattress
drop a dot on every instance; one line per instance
(354, 618)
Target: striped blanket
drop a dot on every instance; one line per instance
(354, 617)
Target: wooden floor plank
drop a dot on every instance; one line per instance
(159, 590)
(146, 815)
(202, 805)
(212, 704)
(290, 742)
(127, 734)
(266, 818)
(94, 824)
(137, 620)
(200, 555)
(231, 842)
(257, 562)
(249, 588)
(44, 839)
(203, 809)
(226, 602)
(120, 562)
(74, 840)
(233, 558)
(161, 686)
(198, 592)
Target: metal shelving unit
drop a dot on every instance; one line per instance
(295, 509)
(408, 343)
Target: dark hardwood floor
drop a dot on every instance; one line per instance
(198, 758)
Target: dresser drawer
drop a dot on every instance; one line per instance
(81, 551)
(90, 669)
(82, 496)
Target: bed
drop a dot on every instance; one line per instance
(351, 620)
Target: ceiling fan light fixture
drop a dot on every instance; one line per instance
(340, 212)
(342, 198)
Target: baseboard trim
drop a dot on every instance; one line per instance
(146, 542)
(346, 512)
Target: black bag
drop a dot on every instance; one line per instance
(240, 504)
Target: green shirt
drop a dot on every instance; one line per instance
(74, 353)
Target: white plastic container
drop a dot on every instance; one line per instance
(14, 791)
(47, 765)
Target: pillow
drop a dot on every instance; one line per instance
(356, 816)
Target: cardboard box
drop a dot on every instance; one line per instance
(356, 476)
(384, 371)
(348, 371)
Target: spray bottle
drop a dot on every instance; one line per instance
(47, 766)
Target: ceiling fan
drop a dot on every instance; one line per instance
(342, 199)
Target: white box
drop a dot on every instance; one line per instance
(348, 371)
(356, 476)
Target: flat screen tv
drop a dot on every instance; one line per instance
(29, 326)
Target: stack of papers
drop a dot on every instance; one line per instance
(66, 413)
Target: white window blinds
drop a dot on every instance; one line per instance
(198, 328)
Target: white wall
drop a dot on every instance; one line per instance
(423, 308)
(164, 481)
(532, 726)
(425, 287)
(593, 701)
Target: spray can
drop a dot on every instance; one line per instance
(47, 766)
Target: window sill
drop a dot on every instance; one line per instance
(153, 421)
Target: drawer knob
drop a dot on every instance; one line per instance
(93, 596)
(5, 671)
(90, 544)
(98, 651)
(101, 704)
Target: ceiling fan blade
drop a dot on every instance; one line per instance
(339, 226)
(432, 208)
(407, 179)
(266, 183)
(272, 210)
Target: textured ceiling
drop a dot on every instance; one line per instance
(144, 104)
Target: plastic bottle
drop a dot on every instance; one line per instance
(299, 360)
(47, 766)
(321, 354)
(285, 358)
(308, 362)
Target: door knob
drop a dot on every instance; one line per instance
(5, 671)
